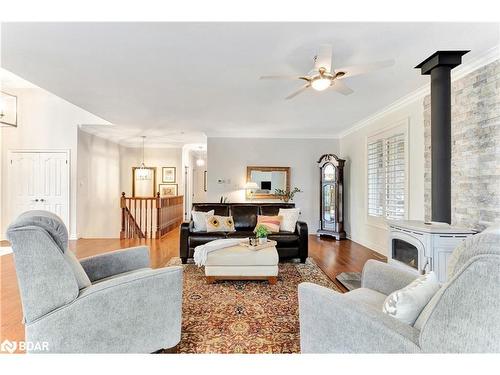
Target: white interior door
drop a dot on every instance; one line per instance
(53, 191)
(22, 184)
(39, 181)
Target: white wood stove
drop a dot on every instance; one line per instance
(424, 246)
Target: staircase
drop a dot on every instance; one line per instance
(150, 217)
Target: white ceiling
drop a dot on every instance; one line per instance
(202, 78)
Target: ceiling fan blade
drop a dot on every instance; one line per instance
(280, 77)
(355, 70)
(341, 87)
(295, 93)
(324, 58)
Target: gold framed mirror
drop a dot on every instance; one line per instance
(268, 179)
(143, 182)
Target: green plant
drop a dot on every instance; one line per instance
(287, 195)
(261, 231)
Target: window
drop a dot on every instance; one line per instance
(387, 174)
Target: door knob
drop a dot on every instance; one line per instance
(35, 200)
(42, 200)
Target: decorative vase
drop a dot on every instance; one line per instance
(285, 199)
(262, 240)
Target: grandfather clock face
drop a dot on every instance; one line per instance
(329, 196)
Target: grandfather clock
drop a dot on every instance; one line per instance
(331, 222)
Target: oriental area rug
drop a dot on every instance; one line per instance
(244, 316)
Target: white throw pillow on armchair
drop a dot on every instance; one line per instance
(406, 304)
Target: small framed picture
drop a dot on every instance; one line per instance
(168, 174)
(168, 190)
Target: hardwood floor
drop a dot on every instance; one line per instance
(333, 257)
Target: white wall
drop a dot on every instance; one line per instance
(229, 157)
(353, 149)
(45, 122)
(98, 190)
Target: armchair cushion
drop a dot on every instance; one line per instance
(331, 322)
(369, 297)
(116, 262)
(385, 278)
(139, 312)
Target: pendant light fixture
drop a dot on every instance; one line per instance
(143, 173)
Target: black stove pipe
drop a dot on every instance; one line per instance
(439, 66)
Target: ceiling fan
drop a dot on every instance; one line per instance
(322, 76)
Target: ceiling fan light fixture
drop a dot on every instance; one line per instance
(321, 84)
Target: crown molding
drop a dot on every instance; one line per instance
(289, 135)
(461, 71)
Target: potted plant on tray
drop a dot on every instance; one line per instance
(261, 233)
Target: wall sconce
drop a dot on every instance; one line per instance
(8, 109)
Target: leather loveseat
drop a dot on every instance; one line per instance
(290, 245)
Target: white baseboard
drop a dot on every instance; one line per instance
(372, 246)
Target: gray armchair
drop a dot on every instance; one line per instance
(111, 303)
(463, 316)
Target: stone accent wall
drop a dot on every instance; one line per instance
(475, 160)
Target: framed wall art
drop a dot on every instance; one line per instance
(168, 175)
(168, 190)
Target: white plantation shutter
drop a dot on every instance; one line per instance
(387, 175)
(376, 178)
(395, 177)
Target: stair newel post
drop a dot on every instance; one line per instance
(158, 214)
(122, 206)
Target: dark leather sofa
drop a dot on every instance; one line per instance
(290, 245)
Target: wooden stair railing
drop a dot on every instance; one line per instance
(169, 213)
(149, 217)
(130, 228)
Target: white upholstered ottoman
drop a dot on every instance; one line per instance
(242, 263)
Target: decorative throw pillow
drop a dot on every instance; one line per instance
(200, 220)
(290, 217)
(217, 223)
(272, 223)
(406, 304)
